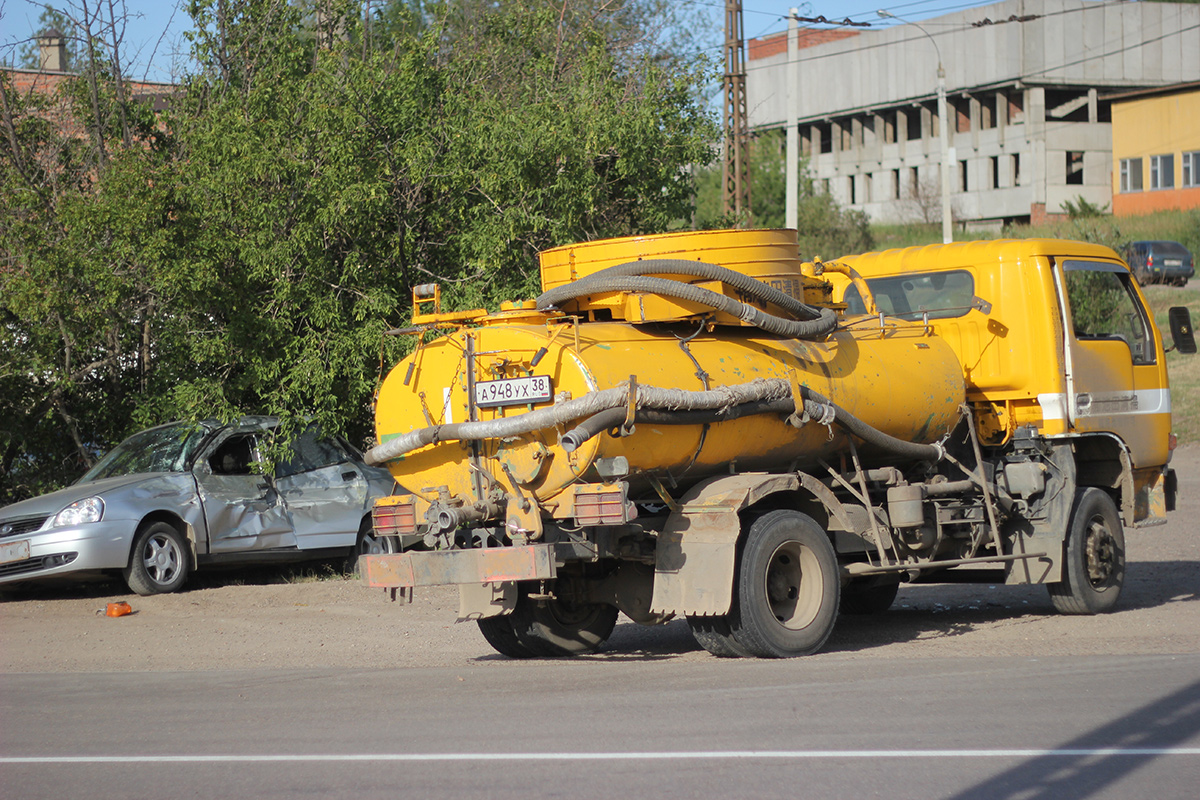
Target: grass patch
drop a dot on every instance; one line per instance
(1115, 232)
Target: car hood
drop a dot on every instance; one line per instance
(52, 503)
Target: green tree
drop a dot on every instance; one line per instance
(246, 251)
(823, 227)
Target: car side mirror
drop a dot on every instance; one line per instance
(1182, 332)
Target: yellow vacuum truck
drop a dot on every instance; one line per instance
(698, 424)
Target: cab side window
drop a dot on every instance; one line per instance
(1104, 306)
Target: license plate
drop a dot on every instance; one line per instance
(513, 391)
(1172, 262)
(14, 551)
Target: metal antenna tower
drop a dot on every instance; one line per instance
(735, 172)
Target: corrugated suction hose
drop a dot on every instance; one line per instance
(606, 409)
(815, 323)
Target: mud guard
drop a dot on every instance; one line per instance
(697, 549)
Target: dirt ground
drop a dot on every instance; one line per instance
(252, 620)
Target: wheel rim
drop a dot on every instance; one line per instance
(1101, 552)
(372, 545)
(794, 585)
(162, 558)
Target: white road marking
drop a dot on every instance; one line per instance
(661, 756)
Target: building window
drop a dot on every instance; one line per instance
(913, 120)
(826, 135)
(965, 185)
(1162, 172)
(1074, 168)
(1131, 175)
(1016, 106)
(995, 172)
(1016, 169)
(1191, 168)
(896, 184)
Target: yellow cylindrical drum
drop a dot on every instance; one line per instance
(901, 381)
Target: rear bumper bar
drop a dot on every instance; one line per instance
(456, 567)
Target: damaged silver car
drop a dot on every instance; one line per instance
(184, 496)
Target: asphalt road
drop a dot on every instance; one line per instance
(966, 693)
(1091, 727)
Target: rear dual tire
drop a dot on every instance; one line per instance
(788, 587)
(549, 627)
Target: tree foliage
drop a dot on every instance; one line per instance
(246, 250)
(824, 228)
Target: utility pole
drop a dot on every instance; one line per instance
(792, 164)
(735, 173)
(943, 128)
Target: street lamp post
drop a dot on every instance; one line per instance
(943, 128)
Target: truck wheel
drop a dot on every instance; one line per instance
(158, 562)
(786, 599)
(1094, 570)
(499, 633)
(860, 599)
(713, 634)
(557, 627)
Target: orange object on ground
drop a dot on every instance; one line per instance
(118, 609)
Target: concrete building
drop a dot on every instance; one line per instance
(1156, 149)
(1027, 82)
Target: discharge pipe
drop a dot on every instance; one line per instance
(607, 408)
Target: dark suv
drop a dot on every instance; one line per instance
(1160, 262)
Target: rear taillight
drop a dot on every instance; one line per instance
(395, 516)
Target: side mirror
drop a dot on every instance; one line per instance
(1182, 332)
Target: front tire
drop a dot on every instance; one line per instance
(1094, 571)
(159, 561)
(788, 587)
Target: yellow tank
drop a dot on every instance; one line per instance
(899, 380)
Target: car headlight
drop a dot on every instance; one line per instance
(89, 509)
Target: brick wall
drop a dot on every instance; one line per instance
(807, 37)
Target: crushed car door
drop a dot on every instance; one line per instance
(324, 489)
(242, 509)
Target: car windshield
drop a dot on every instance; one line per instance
(1170, 249)
(164, 449)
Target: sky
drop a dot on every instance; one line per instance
(156, 50)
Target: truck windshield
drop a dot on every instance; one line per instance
(167, 448)
(940, 294)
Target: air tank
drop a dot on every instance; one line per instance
(896, 378)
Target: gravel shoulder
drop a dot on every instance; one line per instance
(251, 620)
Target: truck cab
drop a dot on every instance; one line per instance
(1055, 338)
